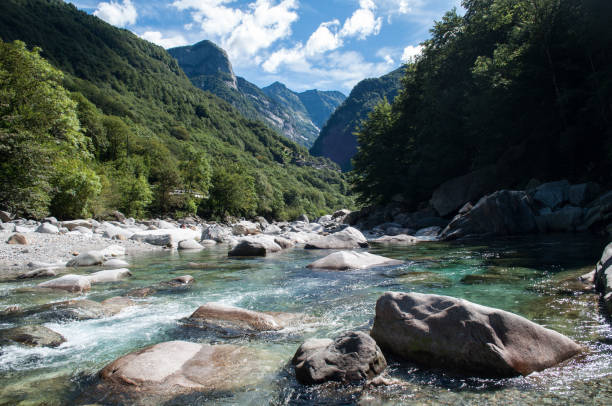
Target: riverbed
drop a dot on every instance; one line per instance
(530, 276)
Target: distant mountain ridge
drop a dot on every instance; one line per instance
(297, 116)
(337, 140)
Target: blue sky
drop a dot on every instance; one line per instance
(323, 44)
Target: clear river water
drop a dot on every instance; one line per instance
(530, 276)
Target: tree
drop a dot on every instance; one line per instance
(232, 192)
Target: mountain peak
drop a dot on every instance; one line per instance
(205, 58)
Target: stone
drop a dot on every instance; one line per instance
(89, 258)
(39, 273)
(47, 228)
(344, 260)
(184, 280)
(229, 318)
(396, 239)
(348, 238)
(114, 232)
(175, 285)
(117, 215)
(113, 251)
(501, 213)
(5, 216)
(339, 215)
(17, 239)
(116, 304)
(32, 335)
(189, 245)
(255, 247)
(303, 218)
(432, 232)
(284, 243)
(583, 194)
(111, 275)
(245, 228)
(216, 232)
(70, 283)
(10, 227)
(565, 219)
(552, 194)
(599, 213)
(272, 229)
(115, 263)
(588, 278)
(162, 240)
(73, 224)
(83, 309)
(172, 368)
(353, 356)
(454, 334)
(603, 271)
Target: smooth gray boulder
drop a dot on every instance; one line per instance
(39, 273)
(501, 213)
(259, 246)
(344, 260)
(162, 240)
(89, 258)
(454, 334)
(552, 194)
(396, 239)
(83, 309)
(70, 283)
(216, 232)
(73, 224)
(583, 194)
(189, 245)
(348, 238)
(111, 275)
(47, 228)
(172, 368)
(353, 356)
(32, 335)
(565, 219)
(115, 263)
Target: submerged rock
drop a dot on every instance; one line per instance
(115, 263)
(111, 275)
(175, 285)
(39, 273)
(32, 335)
(70, 283)
(445, 332)
(352, 260)
(348, 238)
(89, 258)
(396, 239)
(224, 317)
(179, 367)
(84, 309)
(353, 356)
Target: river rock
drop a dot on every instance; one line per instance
(83, 309)
(113, 251)
(162, 240)
(603, 272)
(114, 232)
(599, 213)
(32, 335)
(175, 285)
(17, 239)
(353, 356)
(39, 273)
(583, 194)
(111, 275)
(430, 232)
(552, 194)
(224, 317)
(352, 260)
(70, 283)
(116, 304)
(348, 238)
(189, 245)
(245, 228)
(396, 239)
(565, 219)
(5, 216)
(501, 213)
(115, 263)
(173, 368)
(89, 258)
(445, 332)
(47, 228)
(255, 247)
(216, 232)
(73, 224)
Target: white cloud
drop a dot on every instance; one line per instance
(118, 14)
(243, 32)
(363, 22)
(157, 37)
(411, 52)
(324, 39)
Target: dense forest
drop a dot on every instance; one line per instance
(520, 87)
(95, 119)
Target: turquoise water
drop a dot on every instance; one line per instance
(529, 276)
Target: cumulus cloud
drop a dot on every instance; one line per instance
(243, 32)
(118, 14)
(411, 52)
(363, 22)
(157, 37)
(324, 39)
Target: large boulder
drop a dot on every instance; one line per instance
(189, 244)
(111, 275)
(445, 332)
(583, 194)
(229, 318)
(47, 228)
(501, 213)
(115, 263)
(32, 335)
(565, 219)
(89, 258)
(349, 238)
(352, 260)
(353, 356)
(599, 213)
(216, 232)
(5, 216)
(73, 224)
(17, 239)
(173, 368)
(552, 194)
(39, 273)
(162, 240)
(396, 239)
(83, 309)
(70, 283)
(259, 246)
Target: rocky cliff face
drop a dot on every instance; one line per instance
(337, 140)
(298, 116)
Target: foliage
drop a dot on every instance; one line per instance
(124, 109)
(524, 81)
(232, 192)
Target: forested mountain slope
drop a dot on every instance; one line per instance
(337, 140)
(209, 68)
(510, 91)
(153, 142)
